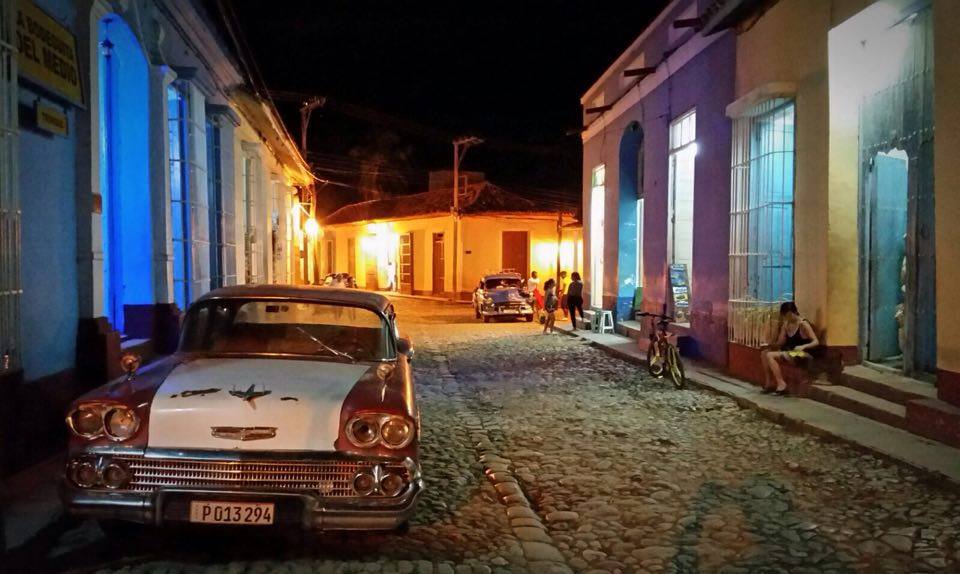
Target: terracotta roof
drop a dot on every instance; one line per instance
(476, 200)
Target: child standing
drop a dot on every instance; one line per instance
(550, 304)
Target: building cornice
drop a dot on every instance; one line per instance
(686, 52)
(625, 56)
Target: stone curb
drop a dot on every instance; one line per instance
(539, 549)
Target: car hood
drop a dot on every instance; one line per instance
(508, 295)
(301, 410)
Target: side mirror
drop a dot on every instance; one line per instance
(405, 347)
(130, 363)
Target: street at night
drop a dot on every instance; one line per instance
(479, 287)
(610, 469)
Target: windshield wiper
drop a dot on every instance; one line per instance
(326, 347)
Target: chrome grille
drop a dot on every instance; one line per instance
(327, 477)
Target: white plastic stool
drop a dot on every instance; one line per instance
(602, 321)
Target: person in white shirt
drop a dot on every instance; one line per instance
(533, 283)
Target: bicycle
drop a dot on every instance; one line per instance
(662, 356)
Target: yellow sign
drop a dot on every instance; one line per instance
(51, 119)
(48, 53)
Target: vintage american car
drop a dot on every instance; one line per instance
(282, 405)
(502, 295)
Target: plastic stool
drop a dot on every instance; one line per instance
(602, 321)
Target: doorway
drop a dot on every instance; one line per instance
(886, 230)
(515, 250)
(352, 256)
(124, 170)
(406, 263)
(630, 224)
(438, 264)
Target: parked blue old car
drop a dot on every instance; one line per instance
(502, 295)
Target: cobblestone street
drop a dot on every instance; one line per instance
(542, 454)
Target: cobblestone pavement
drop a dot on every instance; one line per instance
(543, 455)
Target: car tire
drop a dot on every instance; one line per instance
(486, 319)
(529, 318)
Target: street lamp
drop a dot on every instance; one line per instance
(460, 147)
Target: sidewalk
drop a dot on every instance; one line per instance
(802, 414)
(29, 501)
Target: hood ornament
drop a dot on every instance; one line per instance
(244, 433)
(250, 394)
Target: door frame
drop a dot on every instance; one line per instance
(443, 260)
(867, 196)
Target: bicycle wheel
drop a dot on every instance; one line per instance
(654, 360)
(675, 367)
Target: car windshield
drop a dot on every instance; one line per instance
(270, 327)
(502, 283)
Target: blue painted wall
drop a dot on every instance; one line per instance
(49, 236)
(629, 186)
(127, 206)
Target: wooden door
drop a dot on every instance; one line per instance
(516, 251)
(406, 263)
(372, 273)
(438, 264)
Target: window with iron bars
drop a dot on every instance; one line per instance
(761, 221)
(10, 288)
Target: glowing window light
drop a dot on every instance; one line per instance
(311, 228)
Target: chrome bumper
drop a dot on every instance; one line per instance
(521, 312)
(316, 513)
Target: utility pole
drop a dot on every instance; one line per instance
(460, 147)
(306, 110)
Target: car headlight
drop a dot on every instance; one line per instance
(487, 301)
(363, 431)
(367, 430)
(120, 423)
(86, 421)
(397, 432)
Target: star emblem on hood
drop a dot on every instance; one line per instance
(250, 394)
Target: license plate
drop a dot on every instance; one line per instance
(211, 512)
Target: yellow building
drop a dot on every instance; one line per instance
(412, 243)
(836, 157)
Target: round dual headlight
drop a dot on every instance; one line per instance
(391, 484)
(397, 432)
(120, 423)
(364, 483)
(84, 473)
(363, 432)
(87, 421)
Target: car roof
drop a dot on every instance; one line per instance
(314, 293)
(502, 276)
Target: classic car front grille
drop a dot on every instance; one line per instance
(332, 478)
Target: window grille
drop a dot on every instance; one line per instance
(597, 198)
(252, 242)
(215, 199)
(188, 192)
(761, 220)
(10, 288)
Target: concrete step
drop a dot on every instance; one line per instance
(894, 388)
(934, 419)
(863, 404)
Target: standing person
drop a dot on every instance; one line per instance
(575, 298)
(533, 288)
(391, 275)
(562, 294)
(550, 304)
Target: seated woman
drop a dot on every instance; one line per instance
(795, 339)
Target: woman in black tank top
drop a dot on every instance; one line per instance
(795, 339)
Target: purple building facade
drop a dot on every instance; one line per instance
(656, 153)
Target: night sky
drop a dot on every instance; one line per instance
(403, 78)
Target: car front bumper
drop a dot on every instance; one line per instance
(309, 512)
(307, 509)
(517, 312)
